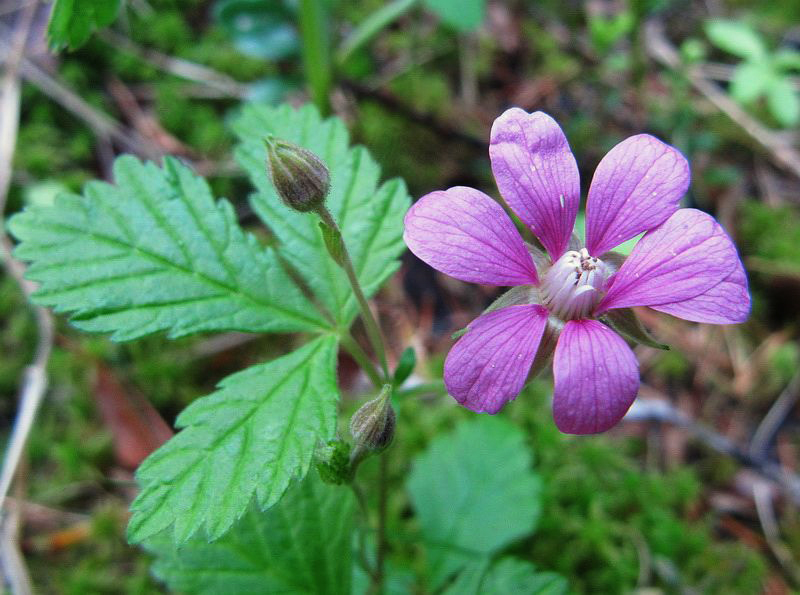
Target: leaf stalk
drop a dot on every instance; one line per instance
(373, 330)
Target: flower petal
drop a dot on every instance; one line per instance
(596, 378)
(635, 188)
(488, 366)
(727, 302)
(467, 235)
(684, 257)
(537, 175)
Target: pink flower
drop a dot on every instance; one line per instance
(685, 265)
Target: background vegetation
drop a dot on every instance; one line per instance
(696, 492)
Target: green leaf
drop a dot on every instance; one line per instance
(371, 26)
(247, 440)
(462, 15)
(509, 575)
(736, 38)
(153, 253)
(396, 580)
(606, 31)
(783, 102)
(474, 493)
(750, 81)
(370, 216)
(257, 28)
(406, 365)
(72, 22)
(301, 545)
(468, 581)
(787, 60)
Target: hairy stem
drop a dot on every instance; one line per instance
(362, 359)
(362, 545)
(373, 330)
(382, 496)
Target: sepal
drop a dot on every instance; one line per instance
(627, 324)
(516, 296)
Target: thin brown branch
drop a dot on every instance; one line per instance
(781, 152)
(392, 103)
(762, 496)
(101, 124)
(179, 67)
(35, 379)
(781, 408)
(661, 410)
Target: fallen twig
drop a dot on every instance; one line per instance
(769, 524)
(144, 123)
(35, 379)
(660, 48)
(391, 102)
(179, 67)
(661, 410)
(14, 568)
(768, 428)
(101, 124)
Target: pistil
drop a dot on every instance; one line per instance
(573, 285)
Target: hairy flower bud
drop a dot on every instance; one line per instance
(300, 178)
(372, 426)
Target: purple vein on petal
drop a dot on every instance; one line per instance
(488, 366)
(537, 175)
(684, 257)
(636, 187)
(467, 235)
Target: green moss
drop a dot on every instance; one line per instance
(770, 233)
(672, 365)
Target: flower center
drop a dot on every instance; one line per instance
(572, 287)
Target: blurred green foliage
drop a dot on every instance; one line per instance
(771, 234)
(609, 522)
(761, 73)
(73, 21)
(621, 526)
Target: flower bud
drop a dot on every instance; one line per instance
(300, 178)
(372, 426)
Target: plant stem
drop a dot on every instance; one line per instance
(361, 357)
(380, 556)
(316, 51)
(362, 545)
(373, 330)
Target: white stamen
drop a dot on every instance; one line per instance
(573, 285)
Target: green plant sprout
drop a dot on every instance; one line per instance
(761, 73)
